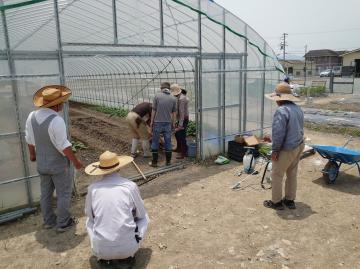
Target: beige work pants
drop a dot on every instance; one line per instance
(286, 164)
(138, 132)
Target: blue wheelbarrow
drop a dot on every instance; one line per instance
(336, 156)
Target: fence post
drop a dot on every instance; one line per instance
(331, 84)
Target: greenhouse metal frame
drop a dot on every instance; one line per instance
(116, 53)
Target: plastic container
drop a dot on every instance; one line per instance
(249, 163)
(191, 149)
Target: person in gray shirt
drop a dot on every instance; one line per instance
(163, 118)
(287, 146)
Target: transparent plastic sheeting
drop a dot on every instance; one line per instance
(116, 53)
(12, 164)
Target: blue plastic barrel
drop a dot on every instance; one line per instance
(191, 149)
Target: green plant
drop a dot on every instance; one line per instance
(113, 111)
(314, 91)
(191, 128)
(76, 145)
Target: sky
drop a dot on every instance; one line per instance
(319, 24)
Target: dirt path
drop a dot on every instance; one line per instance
(100, 132)
(198, 221)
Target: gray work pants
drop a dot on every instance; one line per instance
(62, 183)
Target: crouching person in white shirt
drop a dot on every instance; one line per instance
(116, 217)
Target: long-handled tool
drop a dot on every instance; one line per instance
(137, 168)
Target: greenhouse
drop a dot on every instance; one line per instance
(115, 53)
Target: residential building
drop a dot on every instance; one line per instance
(351, 62)
(324, 59)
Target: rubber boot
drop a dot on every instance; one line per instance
(134, 145)
(146, 148)
(168, 157)
(154, 161)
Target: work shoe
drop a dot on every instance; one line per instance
(168, 157)
(289, 203)
(271, 204)
(71, 223)
(154, 161)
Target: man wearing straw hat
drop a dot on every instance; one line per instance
(287, 146)
(46, 136)
(116, 217)
(182, 120)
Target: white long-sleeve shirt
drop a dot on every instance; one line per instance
(114, 209)
(57, 129)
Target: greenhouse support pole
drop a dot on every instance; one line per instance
(223, 136)
(62, 75)
(219, 101)
(116, 41)
(263, 95)
(245, 82)
(161, 9)
(199, 120)
(15, 92)
(240, 94)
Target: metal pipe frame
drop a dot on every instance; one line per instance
(117, 45)
(12, 70)
(62, 75)
(114, 22)
(161, 9)
(240, 94)
(198, 96)
(45, 55)
(223, 84)
(219, 101)
(30, 76)
(232, 135)
(29, 178)
(245, 82)
(262, 115)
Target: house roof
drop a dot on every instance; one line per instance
(349, 52)
(321, 53)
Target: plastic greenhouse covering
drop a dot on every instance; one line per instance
(116, 53)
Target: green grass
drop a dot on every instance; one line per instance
(76, 145)
(113, 111)
(314, 91)
(333, 129)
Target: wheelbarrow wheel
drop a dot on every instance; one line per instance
(331, 172)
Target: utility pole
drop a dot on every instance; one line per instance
(283, 44)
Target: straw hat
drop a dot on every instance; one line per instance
(175, 89)
(282, 93)
(109, 162)
(51, 95)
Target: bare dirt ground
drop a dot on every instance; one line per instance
(100, 132)
(337, 102)
(198, 221)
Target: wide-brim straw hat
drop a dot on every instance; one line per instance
(175, 89)
(282, 93)
(51, 95)
(108, 163)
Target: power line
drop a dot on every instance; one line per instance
(315, 33)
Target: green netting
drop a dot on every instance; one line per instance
(229, 29)
(16, 4)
